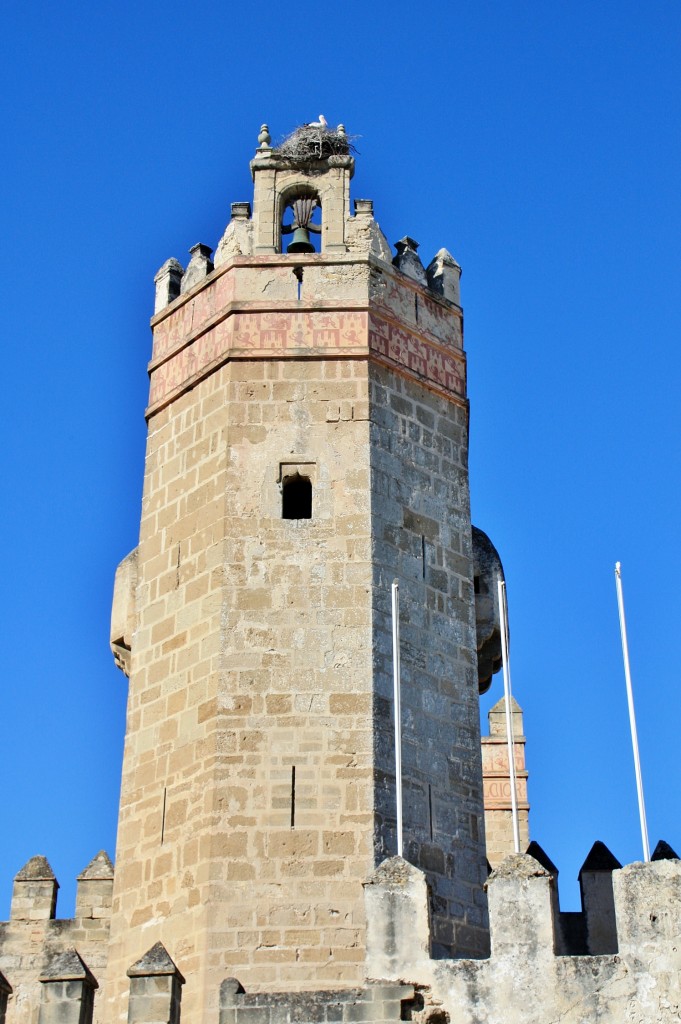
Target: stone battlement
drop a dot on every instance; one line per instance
(41, 953)
(621, 958)
(527, 976)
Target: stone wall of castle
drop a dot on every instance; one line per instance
(526, 979)
(629, 969)
(40, 953)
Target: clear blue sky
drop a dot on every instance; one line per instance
(539, 142)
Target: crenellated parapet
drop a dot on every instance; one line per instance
(344, 296)
(51, 970)
(50, 967)
(528, 978)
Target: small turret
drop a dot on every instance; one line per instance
(35, 892)
(68, 988)
(95, 888)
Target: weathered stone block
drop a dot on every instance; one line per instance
(648, 908)
(520, 908)
(398, 924)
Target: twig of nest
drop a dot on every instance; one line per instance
(309, 143)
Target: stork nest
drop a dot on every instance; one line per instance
(306, 144)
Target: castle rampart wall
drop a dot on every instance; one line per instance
(38, 950)
(525, 981)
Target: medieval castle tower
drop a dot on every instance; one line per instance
(307, 445)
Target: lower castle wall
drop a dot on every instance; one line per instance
(524, 981)
(27, 947)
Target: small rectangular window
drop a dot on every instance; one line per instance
(296, 497)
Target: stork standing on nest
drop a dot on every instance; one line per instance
(321, 123)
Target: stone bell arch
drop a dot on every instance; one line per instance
(277, 182)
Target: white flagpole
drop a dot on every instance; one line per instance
(505, 661)
(632, 714)
(397, 711)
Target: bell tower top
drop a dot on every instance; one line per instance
(314, 163)
(298, 256)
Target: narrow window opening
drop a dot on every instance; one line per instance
(293, 796)
(476, 584)
(416, 308)
(423, 556)
(297, 497)
(163, 814)
(298, 274)
(430, 810)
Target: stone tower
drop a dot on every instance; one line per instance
(307, 445)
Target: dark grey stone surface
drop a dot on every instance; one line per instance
(378, 1002)
(422, 536)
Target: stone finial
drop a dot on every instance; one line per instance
(598, 901)
(408, 260)
(67, 966)
(340, 130)
(537, 852)
(599, 858)
(444, 274)
(34, 897)
(68, 986)
(663, 851)
(496, 717)
(398, 920)
(156, 961)
(168, 281)
(364, 207)
(99, 868)
(95, 888)
(199, 266)
(155, 988)
(240, 211)
(37, 869)
(264, 137)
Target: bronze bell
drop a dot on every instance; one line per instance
(300, 241)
